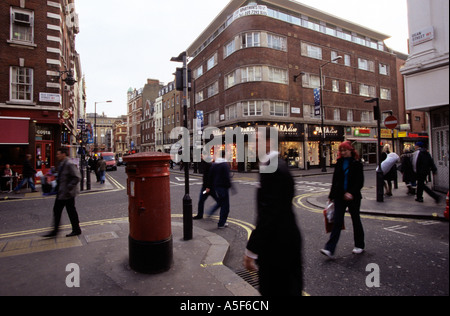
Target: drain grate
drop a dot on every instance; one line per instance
(251, 277)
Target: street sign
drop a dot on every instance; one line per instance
(391, 122)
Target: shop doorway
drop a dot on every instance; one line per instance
(44, 156)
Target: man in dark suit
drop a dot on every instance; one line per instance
(423, 164)
(67, 189)
(276, 245)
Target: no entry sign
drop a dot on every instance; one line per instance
(391, 122)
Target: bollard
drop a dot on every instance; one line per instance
(148, 189)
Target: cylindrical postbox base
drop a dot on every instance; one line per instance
(150, 257)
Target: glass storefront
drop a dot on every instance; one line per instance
(292, 153)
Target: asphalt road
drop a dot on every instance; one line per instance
(406, 256)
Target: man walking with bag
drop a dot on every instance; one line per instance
(67, 190)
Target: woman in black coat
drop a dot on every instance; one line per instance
(348, 180)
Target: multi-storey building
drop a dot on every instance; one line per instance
(103, 132)
(149, 94)
(120, 137)
(158, 123)
(426, 75)
(134, 113)
(39, 100)
(259, 62)
(171, 113)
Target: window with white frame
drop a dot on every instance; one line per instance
(308, 112)
(230, 79)
(385, 93)
(311, 51)
(310, 81)
(277, 42)
(199, 96)
(21, 84)
(349, 115)
(252, 73)
(212, 61)
(213, 117)
(230, 48)
(198, 72)
(278, 75)
(213, 89)
(348, 87)
(22, 25)
(384, 69)
(251, 39)
(366, 64)
(335, 85)
(231, 112)
(337, 114)
(366, 116)
(279, 108)
(252, 108)
(347, 60)
(367, 91)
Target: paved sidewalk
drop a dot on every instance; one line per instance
(32, 265)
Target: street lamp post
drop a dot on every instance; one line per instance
(95, 123)
(380, 180)
(187, 201)
(322, 145)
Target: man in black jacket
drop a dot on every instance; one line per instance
(423, 163)
(276, 245)
(218, 185)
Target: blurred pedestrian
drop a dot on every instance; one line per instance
(219, 185)
(348, 180)
(28, 173)
(423, 164)
(67, 189)
(205, 167)
(275, 245)
(406, 168)
(391, 173)
(102, 170)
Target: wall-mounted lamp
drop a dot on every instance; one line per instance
(69, 80)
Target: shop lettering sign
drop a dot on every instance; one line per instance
(250, 10)
(329, 130)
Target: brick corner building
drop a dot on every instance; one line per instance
(245, 62)
(39, 106)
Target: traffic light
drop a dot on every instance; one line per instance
(180, 75)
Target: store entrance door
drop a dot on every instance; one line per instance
(44, 156)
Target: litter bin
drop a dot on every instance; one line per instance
(148, 189)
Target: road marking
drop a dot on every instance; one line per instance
(115, 182)
(396, 228)
(299, 203)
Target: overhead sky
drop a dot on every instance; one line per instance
(122, 43)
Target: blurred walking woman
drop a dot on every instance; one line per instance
(348, 180)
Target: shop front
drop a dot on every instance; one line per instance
(37, 133)
(364, 139)
(290, 145)
(334, 136)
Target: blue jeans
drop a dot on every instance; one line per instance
(223, 202)
(339, 212)
(30, 182)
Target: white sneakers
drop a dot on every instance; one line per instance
(328, 253)
(357, 250)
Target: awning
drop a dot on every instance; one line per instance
(14, 130)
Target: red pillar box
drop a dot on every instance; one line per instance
(148, 188)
